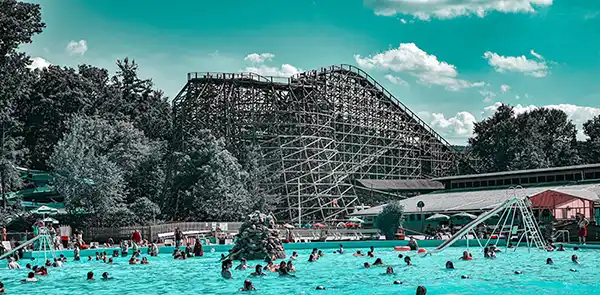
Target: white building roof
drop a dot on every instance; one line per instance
(480, 200)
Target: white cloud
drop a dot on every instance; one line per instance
(488, 95)
(519, 64)
(411, 59)
(517, 96)
(285, 70)
(537, 55)
(259, 66)
(396, 80)
(259, 57)
(504, 88)
(38, 63)
(458, 128)
(77, 47)
(446, 9)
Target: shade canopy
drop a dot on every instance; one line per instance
(45, 210)
(465, 215)
(356, 219)
(50, 220)
(438, 216)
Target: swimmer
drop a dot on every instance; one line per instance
(575, 259)
(271, 267)
(370, 254)
(466, 256)
(549, 261)
(30, 278)
(340, 251)
(258, 271)
(13, 264)
(367, 265)
(397, 283)
(291, 267)
(465, 277)
(133, 260)
(400, 255)
(294, 255)
(48, 263)
(105, 276)
(518, 272)
(116, 253)
(28, 266)
(43, 271)
(243, 265)
(320, 253)
(389, 270)
(1, 288)
(358, 253)
(110, 261)
(89, 258)
(573, 270)
(144, 261)
(372, 249)
(320, 288)
(90, 276)
(407, 260)
(560, 248)
(378, 262)
(248, 286)
(421, 290)
(575, 248)
(449, 265)
(495, 249)
(412, 243)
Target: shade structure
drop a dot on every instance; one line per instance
(356, 219)
(45, 210)
(465, 215)
(287, 225)
(438, 216)
(50, 220)
(318, 225)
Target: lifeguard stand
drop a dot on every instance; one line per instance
(44, 244)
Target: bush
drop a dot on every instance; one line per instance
(390, 219)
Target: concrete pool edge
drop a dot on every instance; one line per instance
(287, 246)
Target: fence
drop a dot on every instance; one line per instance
(102, 234)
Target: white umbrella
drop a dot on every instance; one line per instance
(45, 210)
(438, 216)
(50, 219)
(287, 225)
(356, 219)
(464, 214)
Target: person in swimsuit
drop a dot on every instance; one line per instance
(421, 290)
(90, 276)
(449, 265)
(575, 259)
(105, 276)
(408, 261)
(258, 271)
(582, 224)
(248, 286)
(549, 261)
(378, 262)
(30, 278)
(466, 256)
(389, 270)
(198, 251)
(225, 269)
(243, 265)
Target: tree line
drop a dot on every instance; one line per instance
(106, 138)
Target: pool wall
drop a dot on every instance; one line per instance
(287, 246)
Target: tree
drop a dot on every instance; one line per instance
(208, 182)
(590, 149)
(94, 163)
(19, 22)
(390, 219)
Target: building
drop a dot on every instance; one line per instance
(557, 193)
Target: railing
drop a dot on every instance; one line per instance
(562, 234)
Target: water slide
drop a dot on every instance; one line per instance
(470, 226)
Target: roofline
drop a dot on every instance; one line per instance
(518, 172)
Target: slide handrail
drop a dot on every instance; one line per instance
(467, 228)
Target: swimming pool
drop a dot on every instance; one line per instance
(341, 274)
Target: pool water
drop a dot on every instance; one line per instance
(340, 274)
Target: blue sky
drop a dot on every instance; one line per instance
(450, 61)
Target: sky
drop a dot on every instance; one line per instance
(450, 61)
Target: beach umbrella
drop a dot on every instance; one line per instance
(45, 210)
(466, 215)
(438, 216)
(356, 219)
(50, 220)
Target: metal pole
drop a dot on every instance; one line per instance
(299, 207)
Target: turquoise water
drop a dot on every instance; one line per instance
(341, 274)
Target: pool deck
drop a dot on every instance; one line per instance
(287, 246)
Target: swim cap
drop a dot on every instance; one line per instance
(464, 277)
(518, 272)
(573, 270)
(320, 288)
(397, 283)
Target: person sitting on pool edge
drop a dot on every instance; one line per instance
(248, 286)
(412, 243)
(258, 271)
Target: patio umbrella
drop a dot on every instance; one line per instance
(438, 216)
(43, 210)
(50, 220)
(466, 215)
(356, 219)
(287, 225)
(318, 225)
